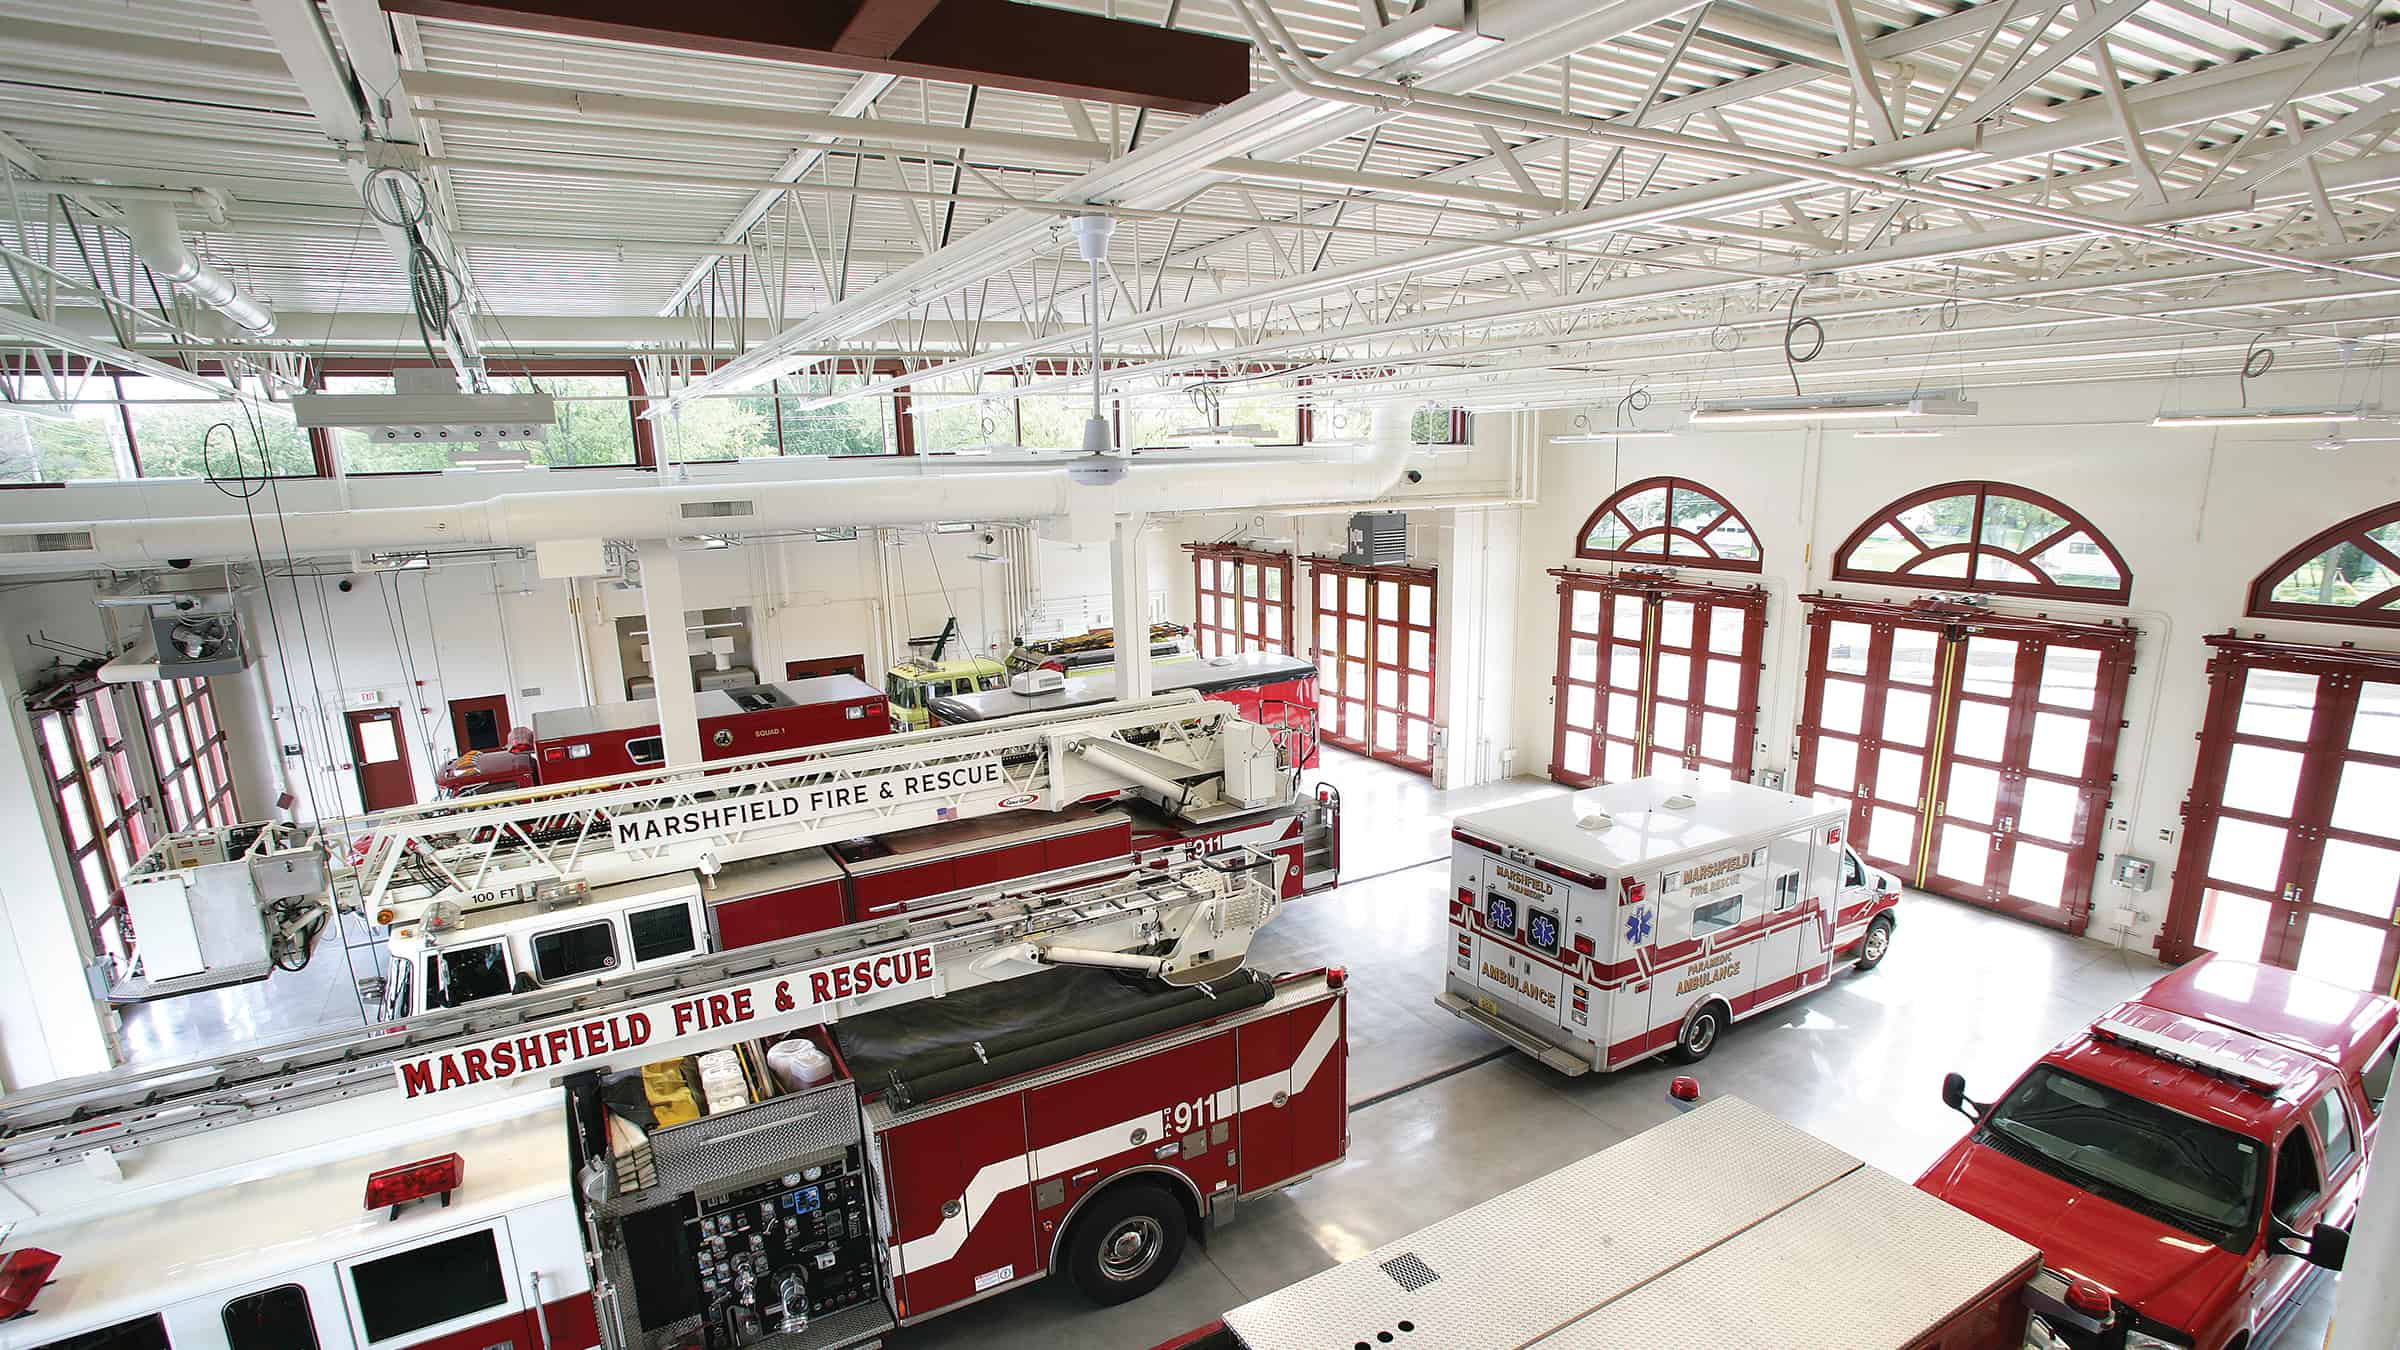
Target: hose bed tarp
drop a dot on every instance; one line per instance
(920, 1051)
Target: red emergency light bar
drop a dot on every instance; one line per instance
(23, 1272)
(423, 1179)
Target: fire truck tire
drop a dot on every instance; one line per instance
(1702, 1027)
(1877, 943)
(1126, 1242)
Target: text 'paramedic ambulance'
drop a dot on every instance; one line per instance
(1596, 929)
(1774, 1238)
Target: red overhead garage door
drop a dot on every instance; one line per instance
(2291, 834)
(1375, 640)
(1654, 672)
(1974, 750)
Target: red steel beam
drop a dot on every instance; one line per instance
(995, 43)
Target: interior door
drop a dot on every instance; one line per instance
(379, 753)
(479, 723)
(1653, 674)
(2291, 851)
(1975, 752)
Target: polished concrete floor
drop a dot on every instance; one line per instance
(1443, 1118)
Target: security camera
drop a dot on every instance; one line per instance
(345, 585)
(179, 563)
(1416, 476)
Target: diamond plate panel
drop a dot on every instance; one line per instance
(1782, 1284)
(720, 1153)
(1527, 1262)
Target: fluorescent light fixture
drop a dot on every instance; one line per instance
(2262, 417)
(1597, 437)
(1839, 407)
(1896, 433)
(1238, 431)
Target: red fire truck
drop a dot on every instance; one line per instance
(797, 1145)
(1266, 688)
(575, 744)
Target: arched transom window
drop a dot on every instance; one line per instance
(2347, 574)
(1673, 521)
(1985, 537)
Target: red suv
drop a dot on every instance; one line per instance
(2189, 1163)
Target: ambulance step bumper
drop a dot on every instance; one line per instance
(1570, 1065)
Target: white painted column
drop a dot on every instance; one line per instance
(1476, 593)
(50, 1025)
(670, 650)
(1129, 575)
(2366, 1304)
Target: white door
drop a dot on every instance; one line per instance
(1788, 935)
(1709, 914)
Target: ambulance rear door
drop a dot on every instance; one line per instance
(1518, 926)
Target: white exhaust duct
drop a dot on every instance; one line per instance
(159, 240)
(893, 492)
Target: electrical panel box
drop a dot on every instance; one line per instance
(2133, 873)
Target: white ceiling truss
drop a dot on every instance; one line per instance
(1514, 203)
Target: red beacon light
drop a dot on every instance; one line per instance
(1336, 976)
(23, 1272)
(1684, 1092)
(2090, 1297)
(394, 1187)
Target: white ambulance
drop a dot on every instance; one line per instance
(1598, 928)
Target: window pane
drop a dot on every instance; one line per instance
(172, 420)
(1945, 520)
(963, 415)
(2077, 561)
(271, 1319)
(75, 441)
(583, 950)
(428, 1285)
(2017, 525)
(719, 429)
(665, 931)
(862, 426)
(2342, 575)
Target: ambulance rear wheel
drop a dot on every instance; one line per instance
(1701, 1027)
(1877, 944)
(1126, 1243)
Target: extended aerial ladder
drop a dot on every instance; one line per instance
(1193, 757)
(1187, 925)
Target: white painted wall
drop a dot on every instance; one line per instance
(2197, 515)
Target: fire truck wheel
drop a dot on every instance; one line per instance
(1126, 1242)
(1877, 944)
(1701, 1027)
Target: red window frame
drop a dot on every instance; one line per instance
(2358, 532)
(1391, 607)
(1232, 610)
(1669, 532)
(92, 781)
(187, 745)
(1593, 649)
(1975, 549)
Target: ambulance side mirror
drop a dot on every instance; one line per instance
(1954, 1096)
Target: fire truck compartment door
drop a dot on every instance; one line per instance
(961, 1202)
(1515, 980)
(1297, 1053)
(1174, 1109)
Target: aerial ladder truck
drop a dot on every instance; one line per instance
(902, 1116)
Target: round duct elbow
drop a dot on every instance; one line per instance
(160, 242)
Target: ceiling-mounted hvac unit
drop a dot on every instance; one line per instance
(187, 636)
(1377, 539)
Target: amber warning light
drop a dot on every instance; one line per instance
(394, 1187)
